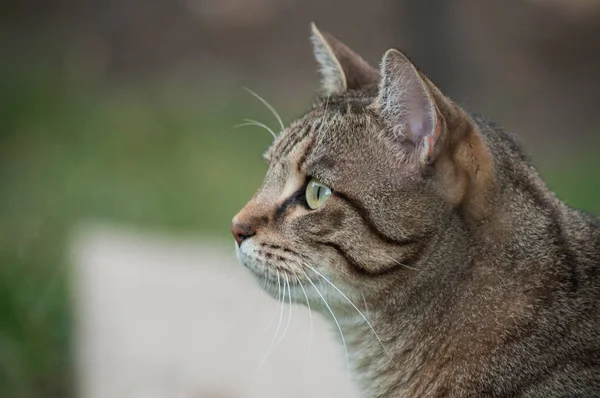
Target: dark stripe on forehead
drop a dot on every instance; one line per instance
(291, 138)
(364, 214)
(296, 139)
(290, 141)
(334, 110)
(307, 150)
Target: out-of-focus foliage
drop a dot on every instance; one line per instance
(126, 156)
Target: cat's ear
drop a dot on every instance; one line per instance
(407, 105)
(438, 133)
(342, 68)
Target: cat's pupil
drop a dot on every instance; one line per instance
(319, 190)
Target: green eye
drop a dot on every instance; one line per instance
(317, 193)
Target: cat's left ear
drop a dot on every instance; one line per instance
(342, 68)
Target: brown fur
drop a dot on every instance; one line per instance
(476, 279)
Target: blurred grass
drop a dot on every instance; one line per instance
(69, 153)
(132, 156)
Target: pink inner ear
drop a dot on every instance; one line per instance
(406, 103)
(419, 115)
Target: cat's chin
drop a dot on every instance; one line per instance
(260, 270)
(271, 282)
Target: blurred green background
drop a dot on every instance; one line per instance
(130, 156)
(132, 122)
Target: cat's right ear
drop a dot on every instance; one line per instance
(342, 69)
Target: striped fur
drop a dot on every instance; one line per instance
(476, 281)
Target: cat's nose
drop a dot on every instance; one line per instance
(241, 232)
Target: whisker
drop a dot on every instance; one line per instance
(403, 265)
(365, 302)
(353, 305)
(334, 318)
(278, 293)
(289, 312)
(273, 111)
(310, 335)
(290, 302)
(250, 122)
(278, 326)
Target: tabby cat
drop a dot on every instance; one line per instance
(428, 238)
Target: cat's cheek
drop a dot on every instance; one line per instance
(318, 230)
(322, 225)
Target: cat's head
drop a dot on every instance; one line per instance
(359, 187)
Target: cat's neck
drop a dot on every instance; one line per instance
(390, 353)
(409, 339)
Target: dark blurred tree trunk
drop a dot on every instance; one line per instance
(430, 24)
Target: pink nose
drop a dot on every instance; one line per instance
(241, 232)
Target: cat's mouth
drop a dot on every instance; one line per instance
(274, 272)
(263, 267)
(279, 270)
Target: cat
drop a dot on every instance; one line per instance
(428, 238)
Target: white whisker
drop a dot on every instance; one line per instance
(289, 312)
(399, 263)
(278, 294)
(290, 302)
(310, 335)
(261, 99)
(353, 305)
(250, 122)
(278, 327)
(365, 302)
(335, 320)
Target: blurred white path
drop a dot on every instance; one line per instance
(180, 318)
